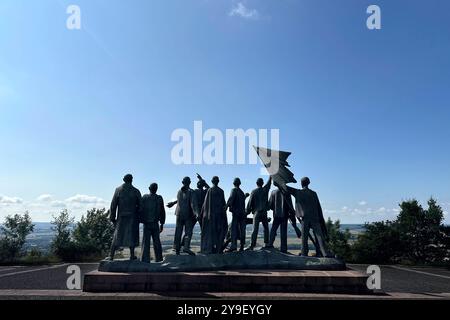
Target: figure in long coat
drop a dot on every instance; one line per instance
(214, 220)
(124, 213)
(308, 208)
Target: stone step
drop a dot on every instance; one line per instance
(308, 281)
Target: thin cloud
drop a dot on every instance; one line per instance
(240, 10)
(58, 204)
(362, 203)
(45, 198)
(10, 200)
(84, 199)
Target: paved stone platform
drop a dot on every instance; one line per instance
(305, 281)
(190, 296)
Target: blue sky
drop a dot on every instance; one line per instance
(365, 113)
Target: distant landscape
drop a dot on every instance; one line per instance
(43, 234)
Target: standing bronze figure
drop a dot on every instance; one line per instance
(186, 213)
(307, 206)
(236, 204)
(153, 216)
(125, 207)
(281, 206)
(214, 219)
(200, 194)
(257, 204)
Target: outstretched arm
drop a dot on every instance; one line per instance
(171, 204)
(268, 184)
(200, 178)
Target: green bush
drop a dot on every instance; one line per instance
(36, 257)
(380, 243)
(62, 224)
(95, 230)
(13, 236)
(76, 252)
(339, 240)
(420, 232)
(89, 240)
(417, 236)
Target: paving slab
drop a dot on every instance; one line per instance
(189, 296)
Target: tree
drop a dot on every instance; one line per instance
(62, 224)
(420, 231)
(434, 233)
(445, 232)
(338, 239)
(416, 236)
(410, 223)
(380, 243)
(95, 230)
(89, 239)
(14, 233)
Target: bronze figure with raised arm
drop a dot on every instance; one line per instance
(187, 211)
(258, 205)
(308, 208)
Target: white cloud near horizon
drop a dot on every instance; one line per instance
(84, 199)
(240, 10)
(45, 198)
(58, 204)
(43, 207)
(10, 200)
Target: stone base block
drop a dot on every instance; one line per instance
(308, 281)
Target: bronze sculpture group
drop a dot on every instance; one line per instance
(207, 205)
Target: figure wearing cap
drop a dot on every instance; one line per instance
(187, 211)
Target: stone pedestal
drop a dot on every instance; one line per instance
(309, 281)
(249, 271)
